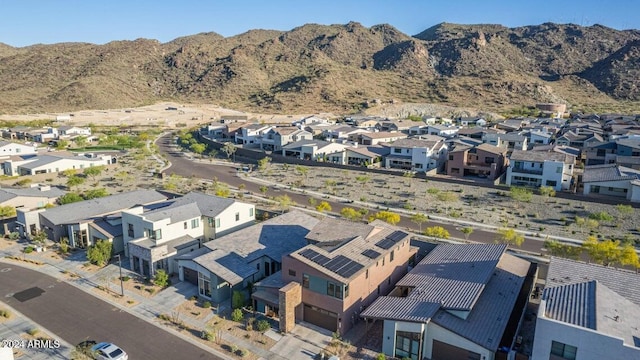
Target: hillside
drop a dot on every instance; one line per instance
(333, 68)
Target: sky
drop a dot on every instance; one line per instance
(28, 22)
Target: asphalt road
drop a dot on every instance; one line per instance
(75, 316)
(228, 174)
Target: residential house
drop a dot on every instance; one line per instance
(581, 141)
(484, 160)
(34, 197)
(539, 137)
(341, 271)
(632, 162)
(49, 134)
(316, 150)
(540, 168)
(156, 235)
(231, 262)
(445, 131)
(420, 129)
(478, 132)
(588, 312)
(471, 121)
(73, 131)
(365, 155)
(417, 154)
(394, 125)
(44, 164)
(251, 135)
(462, 301)
(510, 141)
(277, 137)
(311, 120)
(366, 122)
(216, 131)
(606, 152)
(343, 133)
(76, 221)
(15, 133)
(374, 138)
(8, 148)
(612, 180)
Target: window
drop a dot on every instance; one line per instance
(559, 170)
(305, 281)
(185, 225)
(397, 151)
(217, 223)
(250, 212)
(383, 261)
(564, 351)
(204, 285)
(195, 223)
(258, 266)
(346, 291)
(210, 221)
(237, 216)
(450, 157)
(391, 256)
(489, 160)
(334, 290)
(407, 345)
(366, 274)
(155, 234)
(292, 272)
(130, 230)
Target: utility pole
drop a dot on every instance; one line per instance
(121, 282)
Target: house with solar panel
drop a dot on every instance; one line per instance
(588, 311)
(462, 301)
(341, 269)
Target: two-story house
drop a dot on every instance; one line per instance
(588, 312)
(232, 262)
(484, 160)
(462, 301)
(8, 148)
(251, 135)
(70, 131)
(341, 271)
(445, 131)
(417, 154)
(277, 137)
(374, 138)
(316, 150)
(154, 236)
(510, 141)
(606, 152)
(611, 180)
(540, 168)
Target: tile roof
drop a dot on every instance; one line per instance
(492, 149)
(427, 141)
(623, 282)
(384, 135)
(491, 286)
(70, 213)
(301, 143)
(542, 155)
(10, 193)
(106, 228)
(273, 238)
(608, 172)
(189, 206)
(42, 160)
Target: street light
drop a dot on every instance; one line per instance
(120, 267)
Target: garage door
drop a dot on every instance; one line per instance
(442, 351)
(190, 275)
(321, 317)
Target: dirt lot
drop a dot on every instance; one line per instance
(180, 115)
(543, 215)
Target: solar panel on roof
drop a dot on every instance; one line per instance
(385, 243)
(391, 239)
(397, 236)
(337, 262)
(370, 253)
(351, 268)
(321, 260)
(309, 253)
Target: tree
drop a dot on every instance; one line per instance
(161, 278)
(100, 253)
(312, 201)
(448, 198)
(68, 173)
(237, 299)
(40, 237)
(520, 194)
(629, 256)
(62, 144)
(7, 211)
(556, 248)
(95, 193)
(302, 170)
(74, 181)
(437, 232)
(284, 202)
(510, 237)
(547, 191)
(213, 153)
(93, 171)
(81, 141)
(222, 190)
(229, 149)
(592, 224)
(323, 206)
(603, 252)
(198, 148)
(263, 163)
(263, 189)
(467, 230)
(350, 214)
(387, 216)
(419, 219)
(69, 198)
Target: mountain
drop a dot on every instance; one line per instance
(333, 68)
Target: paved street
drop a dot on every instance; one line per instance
(75, 315)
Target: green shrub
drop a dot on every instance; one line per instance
(242, 352)
(207, 335)
(28, 249)
(237, 300)
(381, 356)
(33, 331)
(161, 278)
(206, 304)
(262, 325)
(601, 216)
(126, 278)
(5, 314)
(236, 315)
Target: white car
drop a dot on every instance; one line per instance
(108, 351)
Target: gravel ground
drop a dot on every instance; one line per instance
(543, 215)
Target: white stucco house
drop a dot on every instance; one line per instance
(316, 150)
(277, 137)
(8, 148)
(44, 164)
(588, 312)
(154, 235)
(251, 135)
(417, 154)
(462, 301)
(540, 168)
(612, 180)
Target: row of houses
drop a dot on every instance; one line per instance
(46, 134)
(460, 301)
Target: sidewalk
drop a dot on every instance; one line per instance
(301, 344)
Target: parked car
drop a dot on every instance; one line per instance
(108, 351)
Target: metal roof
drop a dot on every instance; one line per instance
(573, 303)
(564, 271)
(88, 209)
